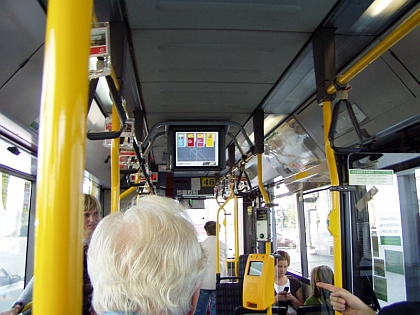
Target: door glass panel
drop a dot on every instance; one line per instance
(319, 242)
(385, 238)
(380, 255)
(14, 217)
(287, 230)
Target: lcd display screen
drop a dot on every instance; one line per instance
(255, 268)
(197, 149)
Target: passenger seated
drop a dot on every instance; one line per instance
(288, 289)
(146, 260)
(348, 304)
(319, 295)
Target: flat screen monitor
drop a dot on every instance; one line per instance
(198, 149)
(255, 268)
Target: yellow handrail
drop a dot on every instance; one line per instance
(217, 229)
(264, 193)
(394, 37)
(260, 181)
(236, 230)
(334, 215)
(61, 159)
(115, 165)
(27, 307)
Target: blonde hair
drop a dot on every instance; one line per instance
(146, 260)
(324, 274)
(91, 203)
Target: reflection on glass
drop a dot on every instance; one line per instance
(290, 150)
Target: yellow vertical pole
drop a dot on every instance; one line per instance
(264, 193)
(334, 216)
(61, 159)
(236, 228)
(260, 181)
(115, 164)
(217, 229)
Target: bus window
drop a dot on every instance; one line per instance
(387, 227)
(381, 241)
(287, 229)
(14, 218)
(319, 242)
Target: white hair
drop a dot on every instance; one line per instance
(146, 261)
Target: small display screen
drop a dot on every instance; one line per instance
(197, 148)
(255, 268)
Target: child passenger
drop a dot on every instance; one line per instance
(320, 296)
(288, 289)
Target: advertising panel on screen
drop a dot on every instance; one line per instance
(196, 148)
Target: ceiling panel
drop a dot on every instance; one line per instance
(289, 15)
(214, 56)
(28, 18)
(21, 95)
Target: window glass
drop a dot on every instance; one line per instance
(287, 229)
(379, 254)
(386, 216)
(14, 216)
(319, 242)
(387, 229)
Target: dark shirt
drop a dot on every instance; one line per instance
(87, 286)
(295, 285)
(401, 308)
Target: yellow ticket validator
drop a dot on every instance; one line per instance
(258, 291)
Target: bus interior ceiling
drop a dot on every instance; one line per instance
(221, 61)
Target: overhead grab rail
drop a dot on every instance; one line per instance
(343, 101)
(340, 86)
(238, 191)
(150, 145)
(92, 89)
(195, 123)
(118, 106)
(245, 159)
(143, 168)
(334, 216)
(394, 37)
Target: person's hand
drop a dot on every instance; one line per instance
(282, 296)
(345, 302)
(13, 311)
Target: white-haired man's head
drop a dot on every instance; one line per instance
(146, 260)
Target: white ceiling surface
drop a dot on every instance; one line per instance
(215, 60)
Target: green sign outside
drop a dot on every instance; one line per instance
(380, 288)
(394, 261)
(391, 240)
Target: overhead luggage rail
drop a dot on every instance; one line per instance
(340, 85)
(394, 37)
(195, 123)
(334, 217)
(118, 106)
